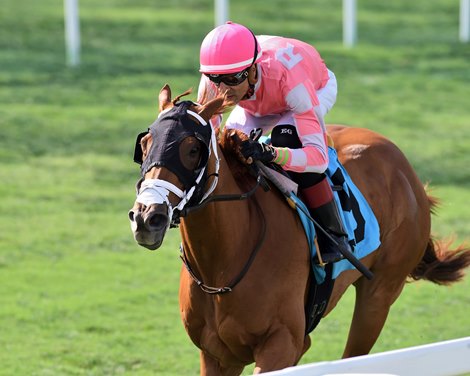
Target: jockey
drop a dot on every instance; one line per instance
(282, 86)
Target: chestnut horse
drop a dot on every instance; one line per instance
(244, 283)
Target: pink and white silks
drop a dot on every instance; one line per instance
(294, 87)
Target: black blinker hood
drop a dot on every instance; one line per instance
(167, 133)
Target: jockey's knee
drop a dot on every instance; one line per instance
(285, 136)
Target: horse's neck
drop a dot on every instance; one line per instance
(213, 236)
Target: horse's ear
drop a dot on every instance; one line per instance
(164, 98)
(211, 107)
(145, 144)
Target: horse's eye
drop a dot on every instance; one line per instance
(194, 151)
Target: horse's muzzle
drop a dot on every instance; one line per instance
(149, 224)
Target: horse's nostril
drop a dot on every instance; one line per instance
(135, 216)
(157, 222)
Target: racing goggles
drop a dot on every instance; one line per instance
(229, 79)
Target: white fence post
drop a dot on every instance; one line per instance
(72, 32)
(464, 33)
(349, 23)
(221, 11)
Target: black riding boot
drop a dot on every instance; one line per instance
(329, 218)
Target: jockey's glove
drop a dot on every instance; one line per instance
(258, 151)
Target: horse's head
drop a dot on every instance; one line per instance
(173, 154)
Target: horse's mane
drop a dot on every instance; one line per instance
(229, 142)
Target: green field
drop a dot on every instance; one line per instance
(77, 295)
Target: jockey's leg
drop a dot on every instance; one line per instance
(322, 206)
(318, 196)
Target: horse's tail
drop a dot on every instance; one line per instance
(440, 264)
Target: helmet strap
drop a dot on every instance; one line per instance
(249, 92)
(253, 74)
(252, 79)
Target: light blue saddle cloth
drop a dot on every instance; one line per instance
(358, 218)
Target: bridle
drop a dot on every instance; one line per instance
(152, 191)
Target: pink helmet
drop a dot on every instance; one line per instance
(229, 48)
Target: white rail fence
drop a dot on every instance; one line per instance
(350, 22)
(221, 9)
(448, 358)
(221, 15)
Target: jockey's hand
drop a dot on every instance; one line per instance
(255, 134)
(258, 151)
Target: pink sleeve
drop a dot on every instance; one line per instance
(300, 97)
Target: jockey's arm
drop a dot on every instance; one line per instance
(313, 156)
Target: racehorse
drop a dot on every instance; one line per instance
(246, 268)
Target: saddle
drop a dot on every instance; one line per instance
(361, 225)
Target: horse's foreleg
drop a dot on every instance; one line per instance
(373, 301)
(278, 351)
(212, 367)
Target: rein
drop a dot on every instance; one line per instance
(228, 197)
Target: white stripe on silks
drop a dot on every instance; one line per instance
(298, 99)
(299, 158)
